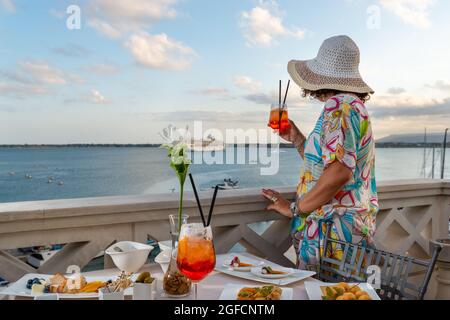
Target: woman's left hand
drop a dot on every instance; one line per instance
(277, 202)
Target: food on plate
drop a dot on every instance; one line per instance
(145, 277)
(260, 293)
(344, 291)
(59, 283)
(120, 284)
(92, 287)
(33, 281)
(270, 270)
(37, 289)
(74, 283)
(238, 264)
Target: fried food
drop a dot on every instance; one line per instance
(344, 291)
(260, 293)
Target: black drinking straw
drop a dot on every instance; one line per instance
(198, 200)
(285, 95)
(211, 208)
(279, 95)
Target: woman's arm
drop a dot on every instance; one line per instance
(294, 135)
(333, 179)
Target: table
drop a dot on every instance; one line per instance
(211, 287)
(208, 289)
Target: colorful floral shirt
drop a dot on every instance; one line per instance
(342, 133)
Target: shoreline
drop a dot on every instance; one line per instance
(157, 145)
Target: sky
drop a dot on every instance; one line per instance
(132, 67)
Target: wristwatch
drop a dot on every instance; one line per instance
(293, 208)
(296, 212)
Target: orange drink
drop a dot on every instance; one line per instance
(279, 119)
(196, 257)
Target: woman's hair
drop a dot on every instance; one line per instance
(325, 92)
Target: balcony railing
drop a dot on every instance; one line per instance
(411, 213)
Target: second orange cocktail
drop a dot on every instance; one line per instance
(279, 119)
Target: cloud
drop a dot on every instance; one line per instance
(117, 18)
(439, 85)
(220, 93)
(225, 117)
(396, 90)
(8, 5)
(41, 72)
(97, 98)
(93, 97)
(409, 107)
(413, 12)
(130, 20)
(247, 83)
(214, 91)
(20, 90)
(159, 51)
(71, 50)
(32, 77)
(37, 72)
(263, 24)
(103, 69)
(261, 98)
(105, 28)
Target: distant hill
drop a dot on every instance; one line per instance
(413, 138)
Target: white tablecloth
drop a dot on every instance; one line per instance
(211, 287)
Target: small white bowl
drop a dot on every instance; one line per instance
(163, 259)
(165, 245)
(129, 256)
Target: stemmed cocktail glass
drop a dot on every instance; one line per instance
(196, 256)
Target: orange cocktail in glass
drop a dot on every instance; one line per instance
(196, 256)
(279, 119)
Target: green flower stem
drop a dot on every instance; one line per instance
(180, 207)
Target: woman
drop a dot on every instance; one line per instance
(338, 177)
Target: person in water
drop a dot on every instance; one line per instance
(337, 180)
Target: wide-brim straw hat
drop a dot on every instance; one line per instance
(335, 67)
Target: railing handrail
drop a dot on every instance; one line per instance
(46, 209)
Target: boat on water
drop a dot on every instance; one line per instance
(228, 184)
(206, 145)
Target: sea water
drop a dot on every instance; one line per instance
(69, 172)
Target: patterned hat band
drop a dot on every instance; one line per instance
(335, 67)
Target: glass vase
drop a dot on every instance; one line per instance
(176, 284)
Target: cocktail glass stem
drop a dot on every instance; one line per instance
(195, 291)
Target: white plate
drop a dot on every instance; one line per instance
(314, 292)
(258, 272)
(231, 290)
(19, 288)
(220, 262)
